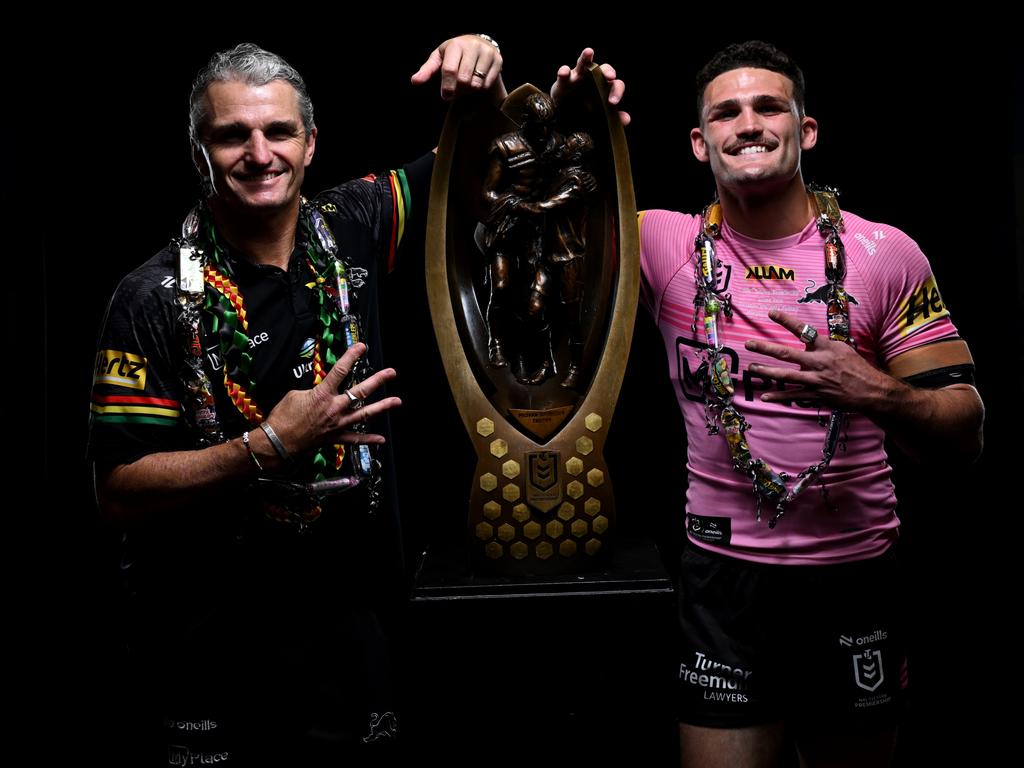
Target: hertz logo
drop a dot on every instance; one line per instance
(120, 369)
(923, 305)
(769, 272)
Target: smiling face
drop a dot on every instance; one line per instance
(254, 147)
(751, 131)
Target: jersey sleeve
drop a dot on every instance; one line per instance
(136, 393)
(666, 243)
(386, 204)
(909, 308)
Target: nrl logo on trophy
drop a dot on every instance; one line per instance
(533, 276)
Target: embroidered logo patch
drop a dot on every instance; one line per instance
(383, 726)
(713, 530)
(769, 272)
(867, 670)
(120, 369)
(923, 306)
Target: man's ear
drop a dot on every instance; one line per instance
(201, 160)
(808, 132)
(310, 147)
(700, 147)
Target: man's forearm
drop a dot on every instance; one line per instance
(162, 482)
(941, 426)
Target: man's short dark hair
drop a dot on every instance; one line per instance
(756, 54)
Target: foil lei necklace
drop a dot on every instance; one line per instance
(720, 414)
(198, 400)
(340, 328)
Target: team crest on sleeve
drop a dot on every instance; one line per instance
(923, 306)
(120, 369)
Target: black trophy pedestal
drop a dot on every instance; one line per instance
(542, 671)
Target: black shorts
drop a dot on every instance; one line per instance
(805, 643)
(289, 690)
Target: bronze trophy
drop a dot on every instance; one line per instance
(533, 278)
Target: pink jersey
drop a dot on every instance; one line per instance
(898, 308)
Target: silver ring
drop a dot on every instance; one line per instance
(354, 403)
(478, 73)
(808, 333)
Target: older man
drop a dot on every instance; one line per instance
(234, 400)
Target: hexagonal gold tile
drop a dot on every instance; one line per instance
(593, 547)
(593, 422)
(519, 550)
(494, 550)
(584, 445)
(510, 492)
(506, 532)
(595, 477)
(520, 513)
(574, 466)
(531, 530)
(499, 447)
(600, 524)
(492, 510)
(510, 469)
(554, 529)
(485, 427)
(574, 489)
(484, 531)
(488, 481)
(567, 548)
(566, 511)
(592, 506)
(579, 528)
(545, 550)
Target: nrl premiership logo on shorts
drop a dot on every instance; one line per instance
(867, 670)
(543, 483)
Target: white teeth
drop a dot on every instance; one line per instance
(757, 149)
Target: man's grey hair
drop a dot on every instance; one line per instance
(245, 63)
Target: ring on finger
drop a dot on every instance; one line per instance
(354, 403)
(808, 333)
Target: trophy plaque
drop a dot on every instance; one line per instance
(533, 278)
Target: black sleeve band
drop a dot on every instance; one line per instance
(943, 377)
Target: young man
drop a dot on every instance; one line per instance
(782, 315)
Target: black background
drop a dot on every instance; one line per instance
(920, 131)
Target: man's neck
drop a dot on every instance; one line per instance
(769, 215)
(262, 238)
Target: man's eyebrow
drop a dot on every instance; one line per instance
(767, 99)
(760, 100)
(291, 126)
(727, 104)
(227, 129)
(240, 128)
